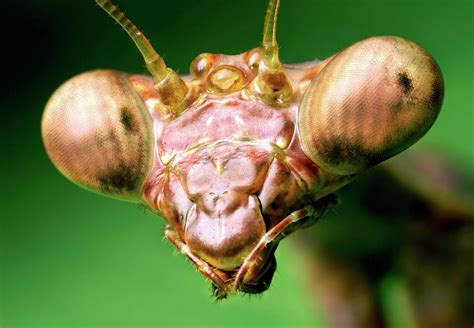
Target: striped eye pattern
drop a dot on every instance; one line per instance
(371, 101)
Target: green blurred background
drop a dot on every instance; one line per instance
(70, 258)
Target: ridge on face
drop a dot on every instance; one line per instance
(229, 168)
(221, 198)
(238, 115)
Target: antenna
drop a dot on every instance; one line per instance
(270, 46)
(169, 85)
(271, 82)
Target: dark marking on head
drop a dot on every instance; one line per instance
(276, 81)
(126, 119)
(405, 82)
(264, 281)
(121, 179)
(340, 152)
(167, 94)
(437, 92)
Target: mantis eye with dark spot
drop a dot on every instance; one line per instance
(370, 102)
(98, 133)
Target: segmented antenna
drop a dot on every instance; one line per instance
(171, 88)
(271, 83)
(270, 46)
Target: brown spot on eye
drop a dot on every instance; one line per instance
(437, 92)
(126, 119)
(405, 82)
(121, 179)
(339, 151)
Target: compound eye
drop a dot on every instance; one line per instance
(98, 133)
(371, 101)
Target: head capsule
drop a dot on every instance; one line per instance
(98, 133)
(370, 102)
